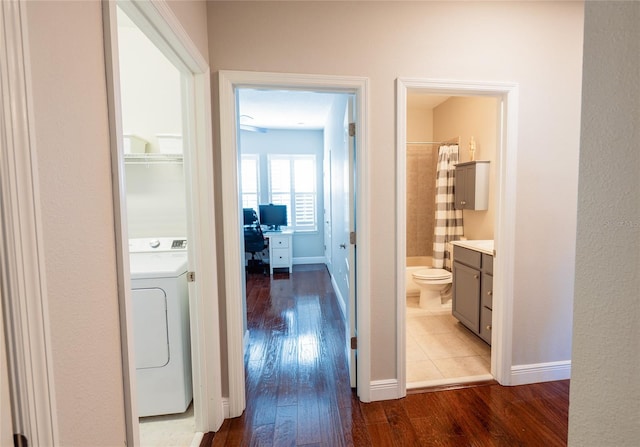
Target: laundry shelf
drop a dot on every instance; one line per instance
(153, 158)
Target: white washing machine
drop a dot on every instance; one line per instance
(161, 325)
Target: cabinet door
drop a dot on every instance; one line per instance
(466, 296)
(470, 187)
(460, 187)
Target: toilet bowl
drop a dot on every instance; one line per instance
(435, 288)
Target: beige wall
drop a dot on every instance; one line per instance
(70, 104)
(192, 14)
(605, 389)
(476, 117)
(72, 145)
(536, 44)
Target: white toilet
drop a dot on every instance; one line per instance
(435, 288)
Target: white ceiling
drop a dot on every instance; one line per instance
(283, 109)
(261, 109)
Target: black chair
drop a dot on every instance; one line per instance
(254, 241)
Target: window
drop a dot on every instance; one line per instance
(292, 182)
(249, 173)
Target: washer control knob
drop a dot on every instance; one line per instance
(155, 243)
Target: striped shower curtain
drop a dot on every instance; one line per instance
(448, 225)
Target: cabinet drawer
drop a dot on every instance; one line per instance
(279, 241)
(487, 263)
(486, 324)
(486, 292)
(471, 258)
(280, 257)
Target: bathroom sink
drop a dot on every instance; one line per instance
(484, 246)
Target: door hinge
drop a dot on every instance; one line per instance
(352, 238)
(191, 276)
(352, 129)
(354, 342)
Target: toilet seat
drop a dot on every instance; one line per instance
(429, 274)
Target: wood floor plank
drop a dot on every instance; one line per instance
(298, 392)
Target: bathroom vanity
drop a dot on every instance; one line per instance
(472, 301)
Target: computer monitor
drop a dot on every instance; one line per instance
(273, 216)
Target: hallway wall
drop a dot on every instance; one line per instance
(605, 389)
(71, 126)
(535, 44)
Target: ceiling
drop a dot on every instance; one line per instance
(263, 109)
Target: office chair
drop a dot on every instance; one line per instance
(254, 241)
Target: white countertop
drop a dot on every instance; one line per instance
(484, 246)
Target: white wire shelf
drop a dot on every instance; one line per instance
(153, 158)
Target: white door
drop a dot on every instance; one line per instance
(349, 237)
(326, 216)
(6, 421)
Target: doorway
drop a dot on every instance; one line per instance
(230, 82)
(184, 155)
(504, 228)
(294, 145)
(439, 349)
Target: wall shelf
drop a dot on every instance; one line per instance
(152, 158)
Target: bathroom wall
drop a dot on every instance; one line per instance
(421, 171)
(466, 117)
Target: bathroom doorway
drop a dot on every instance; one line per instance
(435, 349)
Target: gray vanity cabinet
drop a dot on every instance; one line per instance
(466, 290)
(473, 290)
(472, 186)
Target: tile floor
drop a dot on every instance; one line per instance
(173, 430)
(441, 350)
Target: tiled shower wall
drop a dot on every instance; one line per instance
(421, 180)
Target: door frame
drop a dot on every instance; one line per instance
(23, 289)
(507, 95)
(229, 81)
(157, 21)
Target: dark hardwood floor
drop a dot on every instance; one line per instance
(298, 387)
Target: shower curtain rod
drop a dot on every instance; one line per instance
(451, 141)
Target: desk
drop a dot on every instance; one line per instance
(280, 249)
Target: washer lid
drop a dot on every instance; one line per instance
(157, 265)
(433, 274)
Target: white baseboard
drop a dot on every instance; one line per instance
(197, 439)
(310, 260)
(225, 408)
(341, 302)
(384, 390)
(540, 372)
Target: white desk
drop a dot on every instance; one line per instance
(280, 249)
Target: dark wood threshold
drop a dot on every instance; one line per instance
(451, 386)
